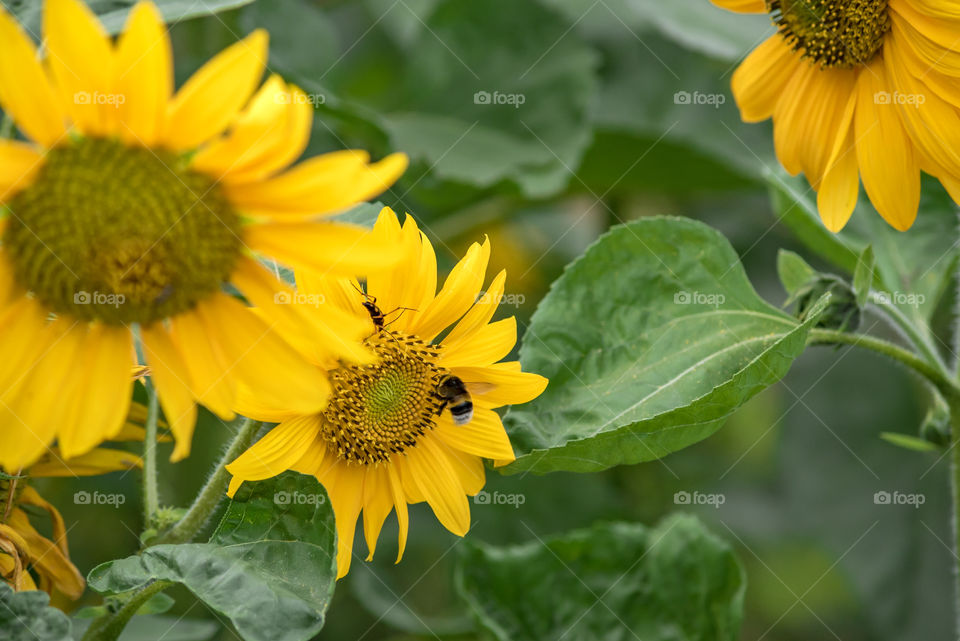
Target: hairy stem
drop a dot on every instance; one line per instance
(151, 496)
(206, 502)
(109, 627)
(931, 371)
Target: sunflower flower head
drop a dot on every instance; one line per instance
(130, 208)
(859, 91)
(415, 424)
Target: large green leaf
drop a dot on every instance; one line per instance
(650, 341)
(912, 268)
(27, 616)
(150, 627)
(113, 13)
(269, 567)
(618, 581)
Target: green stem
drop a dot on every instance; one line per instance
(916, 333)
(216, 486)
(109, 627)
(931, 371)
(151, 496)
(955, 503)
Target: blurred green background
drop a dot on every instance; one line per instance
(626, 112)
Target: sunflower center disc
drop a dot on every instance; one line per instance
(381, 409)
(120, 234)
(841, 34)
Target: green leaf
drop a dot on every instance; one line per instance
(794, 271)
(908, 442)
(863, 275)
(706, 28)
(269, 567)
(912, 268)
(27, 616)
(113, 13)
(145, 628)
(674, 582)
(157, 604)
(650, 341)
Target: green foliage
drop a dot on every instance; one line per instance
(650, 341)
(674, 582)
(27, 616)
(794, 272)
(269, 567)
(113, 13)
(863, 275)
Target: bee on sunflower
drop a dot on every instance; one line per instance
(416, 424)
(129, 207)
(859, 90)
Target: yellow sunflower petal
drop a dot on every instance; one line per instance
(47, 558)
(388, 285)
(278, 451)
(270, 134)
(510, 386)
(211, 98)
(170, 375)
(82, 61)
(468, 468)
(377, 504)
(481, 313)
(761, 77)
(889, 166)
(328, 248)
(431, 472)
(320, 331)
(459, 292)
(103, 401)
(742, 6)
(95, 462)
(483, 347)
(19, 163)
(255, 354)
(29, 419)
(400, 505)
(346, 497)
(312, 459)
(26, 92)
(208, 367)
(321, 185)
(483, 436)
(837, 193)
(144, 76)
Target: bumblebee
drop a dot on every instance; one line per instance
(455, 394)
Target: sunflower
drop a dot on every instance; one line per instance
(28, 559)
(858, 90)
(127, 209)
(387, 437)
